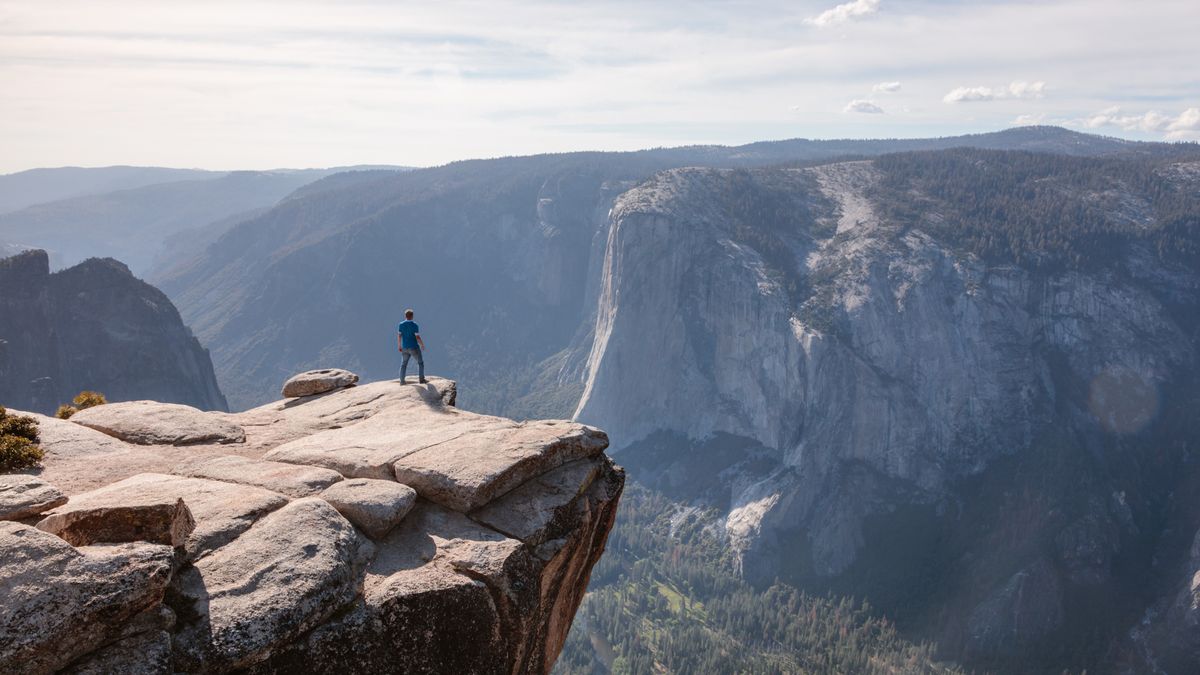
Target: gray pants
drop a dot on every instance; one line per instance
(408, 354)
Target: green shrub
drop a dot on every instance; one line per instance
(82, 400)
(18, 425)
(88, 399)
(18, 442)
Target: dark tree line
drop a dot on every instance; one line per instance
(1043, 210)
(666, 598)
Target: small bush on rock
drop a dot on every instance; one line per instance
(18, 442)
(82, 400)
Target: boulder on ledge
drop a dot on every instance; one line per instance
(375, 506)
(314, 382)
(61, 602)
(284, 576)
(154, 423)
(222, 511)
(164, 521)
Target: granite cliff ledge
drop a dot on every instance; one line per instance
(367, 528)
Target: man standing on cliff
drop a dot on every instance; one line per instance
(410, 344)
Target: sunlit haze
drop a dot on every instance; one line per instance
(258, 85)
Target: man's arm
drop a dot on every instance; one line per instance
(399, 342)
(420, 341)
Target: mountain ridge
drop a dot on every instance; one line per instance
(94, 326)
(369, 203)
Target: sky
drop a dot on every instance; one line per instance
(254, 85)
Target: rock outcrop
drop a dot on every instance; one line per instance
(94, 326)
(312, 382)
(209, 557)
(59, 603)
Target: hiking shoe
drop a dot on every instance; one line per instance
(424, 381)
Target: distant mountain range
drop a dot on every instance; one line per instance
(136, 214)
(502, 256)
(38, 186)
(155, 218)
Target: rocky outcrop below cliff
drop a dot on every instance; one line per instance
(94, 326)
(372, 528)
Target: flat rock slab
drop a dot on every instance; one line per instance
(473, 469)
(274, 424)
(221, 511)
(318, 382)
(375, 506)
(153, 423)
(543, 507)
(60, 602)
(62, 439)
(293, 480)
(459, 459)
(22, 496)
(288, 573)
(164, 521)
(369, 449)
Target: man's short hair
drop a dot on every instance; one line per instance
(408, 313)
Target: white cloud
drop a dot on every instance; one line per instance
(1027, 89)
(968, 94)
(1029, 120)
(1184, 125)
(886, 87)
(844, 12)
(1019, 90)
(862, 106)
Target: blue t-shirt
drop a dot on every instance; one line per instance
(408, 334)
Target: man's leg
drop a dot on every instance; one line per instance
(420, 366)
(404, 365)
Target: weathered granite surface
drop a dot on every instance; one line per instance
(154, 423)
(375, 506)
(459, 459)
(60, 602)
(297, 549)
(289, 479)
(23, 496)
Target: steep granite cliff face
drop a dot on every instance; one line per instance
(372, 528)
(849, 385)
(94, 326)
